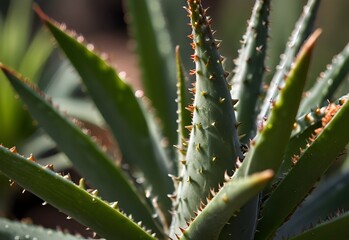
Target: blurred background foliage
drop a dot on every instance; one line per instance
(104, 24)
(25, 50)
(25, 46)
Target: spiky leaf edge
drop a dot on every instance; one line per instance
(90, 161)
(148, 27)
(62, 193)
(121, 110)
(323, 148)
(250, 67)
(231, 197)
(300, 33)
(20, 230)
(274, 135)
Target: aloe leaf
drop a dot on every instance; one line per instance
(303, 129)
(330, 196)
(175, 16)
(10, 115)
(18, 230)
(13, 39)
(337, 227)
(37, 54)
(277, 130)
(16, 30)
(87, 208)
(81, 109)
(307, 120)
(213, 144)
(184, 118)
(46, 151)
(63, 83)
(300, 33)
(148, 27)
(87, 157)
(121, 110)
(228, 201)
(249, 71)
(327, 83)
(274, 135)
(302, 177)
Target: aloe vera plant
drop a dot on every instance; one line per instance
(245, 165)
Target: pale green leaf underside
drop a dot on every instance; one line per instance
(15, 230)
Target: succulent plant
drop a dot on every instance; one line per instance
(248, 156)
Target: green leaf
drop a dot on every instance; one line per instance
(337, 227)
(121, 110)
(17, 230)
(45, 150)
(148, 27)
(10, 119)
(327, 83)
(277, 130)
(36, 56)
(176, 17)
(90, 161)
(302, 177)
(303, 129)
(184, 118)
(268, 146)
(69, 198)
(247, 81)
(330, 196)
(227, 202)
(82, 109)
(300, 33)
(213, 145)
(15, 33)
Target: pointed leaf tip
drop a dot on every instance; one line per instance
(265, 175)
(43, 17)
(10, 73)
(309, 44)
(177, 49)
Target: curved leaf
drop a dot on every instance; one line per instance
(249, 72)
(299, 181)
(17, 230)
(90, 161)
(337, 227)
(300, 33)
(184, 118)
(121, 110)
(330, 196)
(148, 27)
(87, 208)
(228, 201)
(328, 82)
(277, 130)
(213, 145)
